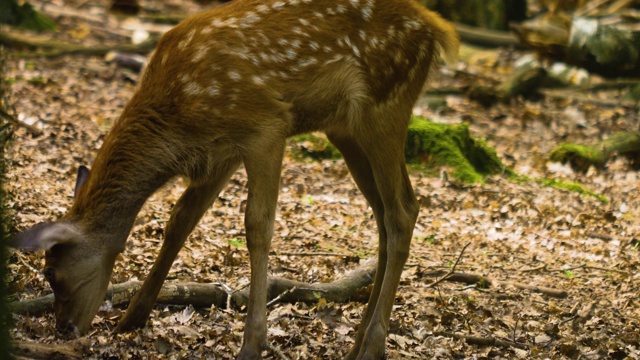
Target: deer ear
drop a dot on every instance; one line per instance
(83, 175)
(44, 236)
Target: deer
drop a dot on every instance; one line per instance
(225, 88)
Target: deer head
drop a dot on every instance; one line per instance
(76, 267)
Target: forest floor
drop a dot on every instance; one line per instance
(518, 233)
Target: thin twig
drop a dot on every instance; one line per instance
(541, 267)
(12, 119)
(308, 254)
(278, 352)
(453, 268)
(277, 298)
(482, 341)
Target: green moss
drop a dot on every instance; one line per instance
(431, 146)
(571, 186)
(314, 146)
(24, 15)
(452, 146)
(580, 157)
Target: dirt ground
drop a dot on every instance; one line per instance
(520, 235)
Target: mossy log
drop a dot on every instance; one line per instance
(452, 146)
(581, 157)
(524, 82)
(428, 144)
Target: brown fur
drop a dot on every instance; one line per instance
(227, 87)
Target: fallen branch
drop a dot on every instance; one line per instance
(482, 341)
(555, 293)
(205, 295)
(55, 48)
(485, 37)
(279, 289)
(12, 119)
(32, 350)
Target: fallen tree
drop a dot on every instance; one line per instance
(354, 286)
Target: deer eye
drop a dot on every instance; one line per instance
(49, 274)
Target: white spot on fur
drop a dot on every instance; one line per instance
(304, 22)
(299, 31)
(355, 3)
(318, 14)
(330, 11)
(214, 88)
(412, 24)
(231, 22)
(348, 41)
(391, 31)
(291, 54)
(335, 58)
(341, 9)
(187, 40)
(314, 45)
(234, 75)
(200, 52)
(283, 42)
(277, 5)
(367, 13)
(249, 18)
(193, 88)
(262, 8)
(356, 51)
(367, 10)
(374, 42)
(258, 80)
(308, 62)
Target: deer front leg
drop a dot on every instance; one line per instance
(193, 203)
(263, 165)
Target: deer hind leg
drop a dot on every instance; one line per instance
(186, 214)
(362, 173)
(263, 162)
(386, 185)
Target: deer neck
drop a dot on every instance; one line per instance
(129, 167)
